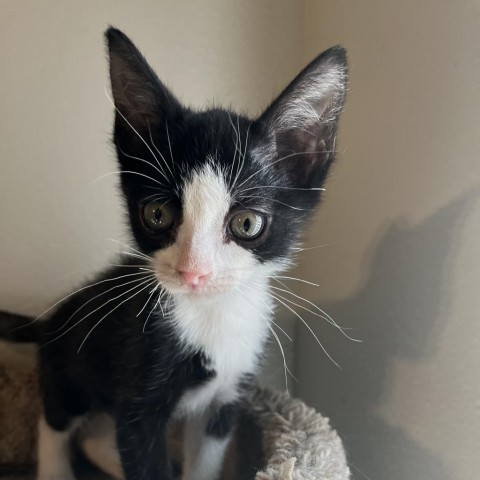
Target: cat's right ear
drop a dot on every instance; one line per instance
(299, 127)
(141, 100)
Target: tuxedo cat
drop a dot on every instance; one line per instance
(216, 203)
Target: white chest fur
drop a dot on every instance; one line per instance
(231, 331)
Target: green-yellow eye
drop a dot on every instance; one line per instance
(157, 216)
(247, 225)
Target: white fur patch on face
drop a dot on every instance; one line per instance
(227, 316)
(201, 247)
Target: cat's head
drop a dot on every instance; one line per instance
(215, 198)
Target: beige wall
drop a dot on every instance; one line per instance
(402, 220)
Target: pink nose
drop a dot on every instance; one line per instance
(195, 279)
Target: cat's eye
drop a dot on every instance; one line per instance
(247, 225)
(158, 216)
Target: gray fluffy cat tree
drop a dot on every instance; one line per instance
(278, 438)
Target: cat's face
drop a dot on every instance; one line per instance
(215, 199)
(214, 246)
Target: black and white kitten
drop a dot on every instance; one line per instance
(216, 204)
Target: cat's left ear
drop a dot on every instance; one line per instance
(140, 98)
(299, 127)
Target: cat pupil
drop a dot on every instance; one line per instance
(157, 219)
(246, 225)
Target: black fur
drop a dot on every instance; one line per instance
(136, 376)
(101, 351)
(18, 328)
(222, 421)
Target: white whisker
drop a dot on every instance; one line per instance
(84, 288)
(269, 199)
(310, 330)
(270, 164)
(290, 278)
(158, 151)
(148, 300)
(161, 172)
(144, 267)
(147, 257)
(301, 249)
(130, 125)
(137, 280)
(129, 172)
(306, 324)
(268, 308)
(285, 366)
(93, 311)
(322, 313)
(232, 166)
(135, 255)
(280, 187)
(241, 165)
(157, 303)
(156, 196)
(363, 474)
(169, 145)
(111, 311)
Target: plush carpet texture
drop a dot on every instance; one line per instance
(278, 437)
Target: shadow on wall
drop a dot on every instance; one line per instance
(399, 313)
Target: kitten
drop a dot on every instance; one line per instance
(216, 204)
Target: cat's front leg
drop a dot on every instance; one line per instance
(53, 461)
(206, 441)
(141, 440)
(60, 419)
(97, 439)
